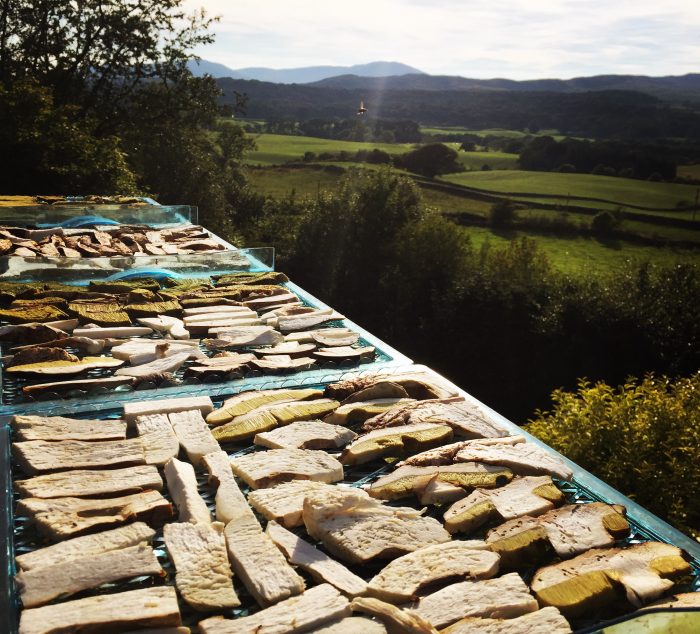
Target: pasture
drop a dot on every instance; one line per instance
(618, 191)
(581, 256)
(276, 149)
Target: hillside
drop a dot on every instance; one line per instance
(604, 114)
(672, 87)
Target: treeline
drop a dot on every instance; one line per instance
(431, 159)
(603, 114)
(87, 106)
(351, 129)
(499, 321)
(632, 160)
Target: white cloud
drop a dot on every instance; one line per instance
(477, 38)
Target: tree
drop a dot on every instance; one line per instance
(430, 160)
(96, 54)
(502, 214)
(46, 150)
(96, 97)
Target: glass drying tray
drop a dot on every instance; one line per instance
(18, 536)
(78, 213)
(80, 271)
(12, 400)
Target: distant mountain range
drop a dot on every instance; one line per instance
(304, 75)
(381, 76)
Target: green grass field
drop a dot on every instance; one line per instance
(622, 191)
(582, 256)
(689, 171)
(499, 132)
(576, 255)
(279, 182)
(275, 149)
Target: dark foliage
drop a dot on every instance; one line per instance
(614, 114)
(430, 160)
(597, 157)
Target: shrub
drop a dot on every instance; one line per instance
(604, 223)
(642, 438)
(430, 160)
(502, 214)
(566, 168)
(603, 170)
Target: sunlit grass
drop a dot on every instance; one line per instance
(622, 191)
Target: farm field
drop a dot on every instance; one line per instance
(274, 149)
(689, 171)
(621, 191)
(498, 132)
(280, 181)
(583, 256)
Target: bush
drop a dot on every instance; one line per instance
(642, 438)
(566, 168)
(430, 160)
(502, 214)
(603, 170)
(604, 223)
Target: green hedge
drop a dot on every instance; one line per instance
(642, 438)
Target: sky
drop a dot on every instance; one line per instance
(517, 39)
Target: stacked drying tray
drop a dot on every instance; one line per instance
(386, 502)
(101, 339)
(79, 211)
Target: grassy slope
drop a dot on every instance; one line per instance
(621, 190)
(275, 149)
(576, 255)
(582, 256)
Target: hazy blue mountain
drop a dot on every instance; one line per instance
(204, 67)
(301, 75)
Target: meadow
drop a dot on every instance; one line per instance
(617, 191)
(574, 254)
(277, 149)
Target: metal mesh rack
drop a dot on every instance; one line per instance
(18, 535)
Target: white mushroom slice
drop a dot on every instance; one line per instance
(145, 607)
(167, 406)
(311, 609)
(335, 337)
(193, 433)
(345, 352)
(503, 597)
(402, 579)
(119, 332)
(357, 528)
(182, 484)
(310, 434)
(203, 575)
(319, 565)
(266, 468)
(159, 366)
